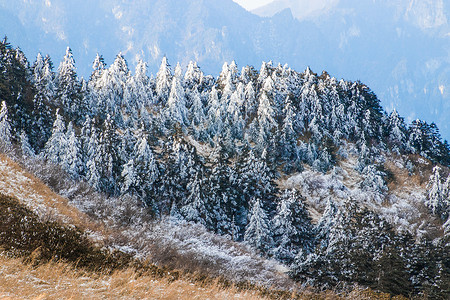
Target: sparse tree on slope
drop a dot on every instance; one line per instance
(438, 200)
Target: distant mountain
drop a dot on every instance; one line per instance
(301, 9)
(399, 48)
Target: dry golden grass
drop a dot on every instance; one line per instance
(61, 281)
(34, 194)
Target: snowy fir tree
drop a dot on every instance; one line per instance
(176, 110)
(43, 79)
(27, 150)
(5, 128)
(67, 86)
(55, 148)
(438, 197)
(163, 81)
(145, 169)
(258, 233)
(292, 228)
(195, 207)
(72, 160)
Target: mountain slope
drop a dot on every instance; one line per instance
(205, 174)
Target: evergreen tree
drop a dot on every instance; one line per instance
(250, 103)
(374, 182)
(107, 157)
(129, 177)
(258, 233)
(27, 150)
(93, 160)
(195, 207)
(221, 188)
(215, 114)
(68, 95)
(193, 77)
(72, 162)
(396, 131)
(291, 227)
(95, 85)
(266, 121)
(147, 171)
(176, 111)
(438, 198)
(43, 79)
(5, 128)
(56, 145)
(163, 82)
(288, 139)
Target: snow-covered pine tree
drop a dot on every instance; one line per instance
(176, 174)
(73, 161)
(215, 114)
(396, 131)
(266, 117)
(43, 80)
(255, 178)
(193, 78)
(195, 207)
(118, 76)
(374, 183)
(107, 157)
(438, 198)
(197, 116)
(326, 222)
(176, 111)
(288, 138)
(196, 112)
(27, 150)
(55, 147)
(137, 92)
(221, 188)
(68, 95)
(258, 232)
(292, 227)
(146, 169)
(5, 129)
(234, 121)
(163, 82)
(250, 103)
(92, 159)
(95, 84)
(129, 178)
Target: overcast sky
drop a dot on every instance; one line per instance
(252, 4)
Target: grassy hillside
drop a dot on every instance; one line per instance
(46, 253)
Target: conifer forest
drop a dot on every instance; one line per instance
(258, 156)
